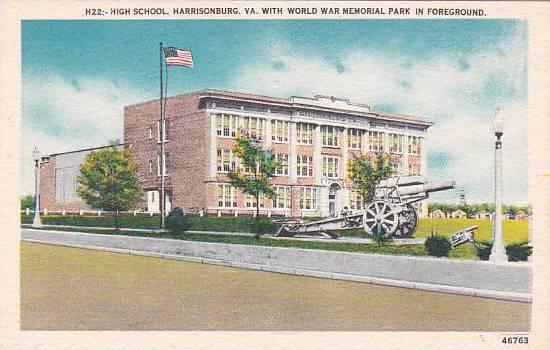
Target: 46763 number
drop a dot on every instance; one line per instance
(515, 340)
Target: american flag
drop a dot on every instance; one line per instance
(177, 57)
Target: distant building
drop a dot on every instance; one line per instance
(438, 213)
(312, 138)
(521, 215)
(483, 215)
(458, 214)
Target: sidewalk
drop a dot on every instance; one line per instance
(304, 238)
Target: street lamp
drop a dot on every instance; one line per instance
(498, 252)
(36, 157)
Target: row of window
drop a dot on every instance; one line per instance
(282, 199)
(227, 198)
(230, 125)
(228, 161)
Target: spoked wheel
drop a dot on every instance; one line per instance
(408, 221)
(380, 219)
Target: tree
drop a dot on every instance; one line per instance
(366, 174)
(27, 201)
(259, 165)
(108, 180)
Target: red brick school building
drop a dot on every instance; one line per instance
(312, 138)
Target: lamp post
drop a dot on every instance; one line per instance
(498, 252)
(36, 157)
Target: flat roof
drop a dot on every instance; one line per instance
(314, 103)
(84, 149)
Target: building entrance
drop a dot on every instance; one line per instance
(153, 201)
(334, 199)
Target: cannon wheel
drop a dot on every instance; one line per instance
(380, 216)
(408, 221)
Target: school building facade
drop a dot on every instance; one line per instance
(313, 139)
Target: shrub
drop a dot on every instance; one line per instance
(519, 251)
(437, 245)
(483, 249)
(515, 251)
(177, 220)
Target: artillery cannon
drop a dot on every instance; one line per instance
(391, 213)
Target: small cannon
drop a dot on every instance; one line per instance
(463, 236)
(390, 213)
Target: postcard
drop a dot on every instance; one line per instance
(265, 174)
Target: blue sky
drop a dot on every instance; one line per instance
(78, 75)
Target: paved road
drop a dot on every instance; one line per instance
(76, 289)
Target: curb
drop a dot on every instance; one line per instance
(437, 288)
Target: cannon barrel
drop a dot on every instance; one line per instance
(402, 181)
(425, 188)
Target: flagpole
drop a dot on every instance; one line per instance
(161, 162)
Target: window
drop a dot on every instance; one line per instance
(150, 167)
(279, 131)
(414, 145)
(251, 201)
(226, 160)
(329, 134)
(355, 138)
(227, 125)
(282, 169)
(396, 167)
(330, 167)
(66, 184)
(376, 141)
(226, 196)
(166, 164)
(253, 127)
(281, 199)
(150, 133)
(414, 169)
(355, 200)
(395, 143)
(166, 130)
(304, 133)
(304, 166)
(308, 198)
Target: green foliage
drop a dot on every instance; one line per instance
(177, 220)
(519, 251)
(108, 180)
(516, 251)
(437, 245)
(127, 221)
(366, 173)
(260, 164)
(27, 201)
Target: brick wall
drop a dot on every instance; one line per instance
(187, 147)
(47, 191)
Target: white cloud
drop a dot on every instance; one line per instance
(62, 115)
(458, 93)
